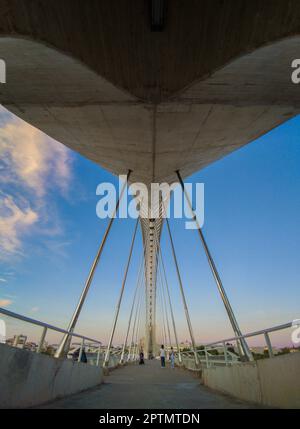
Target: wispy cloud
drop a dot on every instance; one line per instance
(5, 302)
(34, 309)
(31, 165)
(14, 220)
(3, 280)
(31, 158)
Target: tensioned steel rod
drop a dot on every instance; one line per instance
(135, 343)
(183, 296)
(135, 319)
(165, 342)
(140, 280)
(106, 359)
(165, 306)
(137, 332)
(65, 343)
(141, 271)
(244, 346)
(169, 299)
(170, 305)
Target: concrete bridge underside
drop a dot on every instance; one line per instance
(93, 76)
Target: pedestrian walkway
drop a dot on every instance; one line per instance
(149, 386)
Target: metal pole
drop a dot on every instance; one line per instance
(165, 307)
(206, 357)
(137, 333)
(106, 359)
(98, 355)
(225, 353)
(65, 343)
(170, 304)
(164, 336)
(131, 311)
(40, 346)
(269, 345)
(134, 325)
(244, 346)
(16, 341)
(183, 296)
(81, 350)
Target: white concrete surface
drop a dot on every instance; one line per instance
(272, 382)
(28, 379)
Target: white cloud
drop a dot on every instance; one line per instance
(31, 164)
(34, 309)
(14, 221)
(3, 280)
(5, 302)
(31, 158)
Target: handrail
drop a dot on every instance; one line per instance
(253, 334)
(45, 325)
(229, 358)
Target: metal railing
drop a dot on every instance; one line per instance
(46, 327)
(208, 356)
(96, 353)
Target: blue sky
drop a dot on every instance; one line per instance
(49, 233)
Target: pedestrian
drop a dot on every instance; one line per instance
(83, 356)
(162, 356)
(141, 362)
(172, 358)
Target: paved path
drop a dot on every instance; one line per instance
(149, 386)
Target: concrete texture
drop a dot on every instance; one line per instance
(29, 379)
(280, 381)
(149, 386)
(213, 117)
(269, 382)
(114, 37)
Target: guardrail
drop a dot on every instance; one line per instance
(226, 357)
(46, 327)
(94, 357)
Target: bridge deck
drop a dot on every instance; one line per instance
(149, 386)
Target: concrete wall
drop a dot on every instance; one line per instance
(273, 382)
(28, 379)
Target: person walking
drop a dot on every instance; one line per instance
(141, 362)
(162, 356)
(172, 358)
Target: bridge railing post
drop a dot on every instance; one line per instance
(16, 341)
(269, 344)
(225, 353)
(98, 355)
(42, 340)
(206, 357)
(81, 350)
